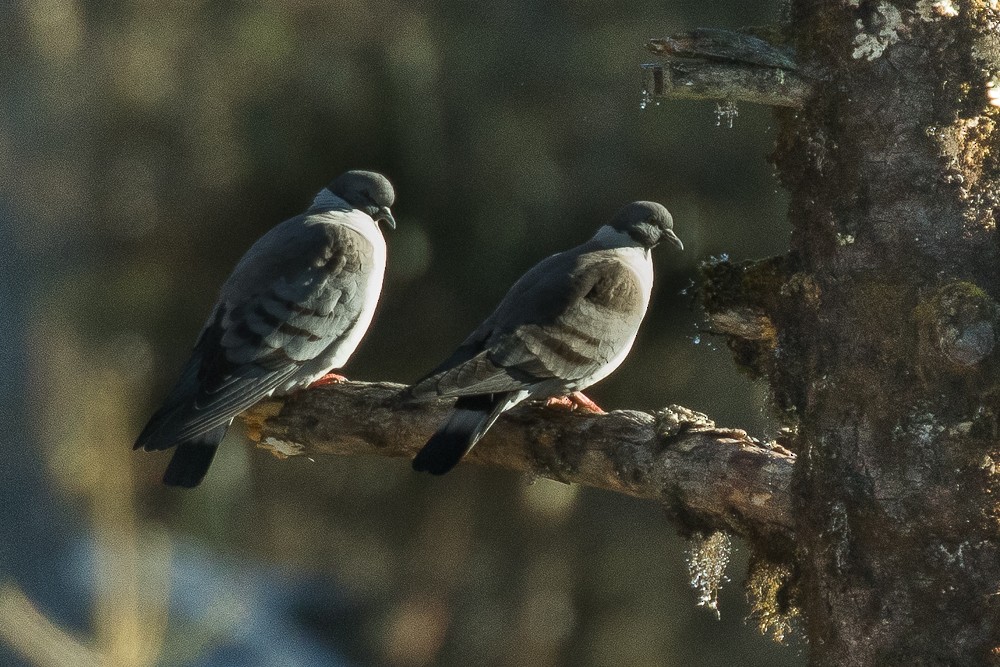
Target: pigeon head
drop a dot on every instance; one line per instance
(647, 223)
(366, 191)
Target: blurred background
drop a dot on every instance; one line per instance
(145, 145)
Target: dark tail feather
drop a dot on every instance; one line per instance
(472, 417)
(191, 460)
(151, 438)
(188, 466)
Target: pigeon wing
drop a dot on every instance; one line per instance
(562, 321)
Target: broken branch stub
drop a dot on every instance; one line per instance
(725, 65)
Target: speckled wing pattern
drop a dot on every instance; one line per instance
(280, 316)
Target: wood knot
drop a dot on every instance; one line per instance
(957, 326)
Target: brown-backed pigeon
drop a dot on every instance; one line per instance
(566, 324)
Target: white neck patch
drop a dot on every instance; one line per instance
(326, 199)
(609, 237)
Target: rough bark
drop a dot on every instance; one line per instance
(877, 330)
(725, 65)
(709, 478)
(687, 79)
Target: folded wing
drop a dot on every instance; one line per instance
(287, 304)
(563, 321)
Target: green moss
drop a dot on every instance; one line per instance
(880, 304)
(759, 307)
(746, 296)
(772, 592)
(740, 284)
(926, 312)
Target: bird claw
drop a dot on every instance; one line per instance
(328, 379)
(575, 401)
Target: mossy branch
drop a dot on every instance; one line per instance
(687, 79)
(709, 478)
(727, 66)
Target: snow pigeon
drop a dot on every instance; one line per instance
(294, 308)
(566, 324)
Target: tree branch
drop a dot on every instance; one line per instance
(724, 65)
(710, 478)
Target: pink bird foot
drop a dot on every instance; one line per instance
(575, 401)
(328, 379)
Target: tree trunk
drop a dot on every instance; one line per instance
(884, 323)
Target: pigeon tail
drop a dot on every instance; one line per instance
(472, 417)
(156, 434)
(192, 459)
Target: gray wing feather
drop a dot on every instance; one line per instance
(478, 375)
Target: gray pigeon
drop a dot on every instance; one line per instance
(566, 324)
(294, 308)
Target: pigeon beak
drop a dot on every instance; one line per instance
(383, 214)
(670, 236)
